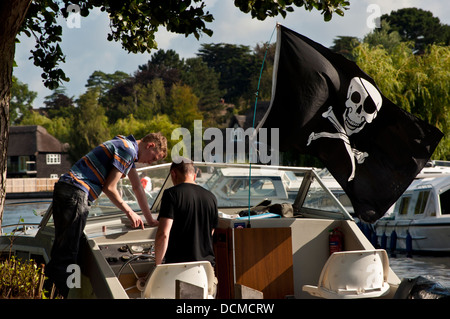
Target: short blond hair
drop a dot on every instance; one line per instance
(159, 140)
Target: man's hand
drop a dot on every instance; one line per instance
(136, 221)
(141, 197)
(153, 222)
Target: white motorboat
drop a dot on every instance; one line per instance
(420, 219)
(277, 257)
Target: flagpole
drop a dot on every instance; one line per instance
(253, 124)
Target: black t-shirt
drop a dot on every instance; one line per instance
(194, 213)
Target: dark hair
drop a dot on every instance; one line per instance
(183, 165)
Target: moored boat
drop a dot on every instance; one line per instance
(420, 220)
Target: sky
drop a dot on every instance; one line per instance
(87, 49)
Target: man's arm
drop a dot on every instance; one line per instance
(110, 190)
(141, 197)
(162, 238)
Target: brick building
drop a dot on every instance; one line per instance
(33, 152)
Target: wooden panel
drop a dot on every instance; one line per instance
(224, 263)
(263, 260)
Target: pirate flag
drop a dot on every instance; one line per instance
(326, 106)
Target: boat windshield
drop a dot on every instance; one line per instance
(237, 186)
(152, 178)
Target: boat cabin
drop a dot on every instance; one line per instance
(419, 220)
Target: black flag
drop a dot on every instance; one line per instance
(325, 105)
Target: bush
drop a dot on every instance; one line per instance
(21, 280)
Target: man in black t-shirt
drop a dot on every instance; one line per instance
(187, 219)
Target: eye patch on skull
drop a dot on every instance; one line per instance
(362, 105)
(369, 106)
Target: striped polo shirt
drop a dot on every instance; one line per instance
(90, 172)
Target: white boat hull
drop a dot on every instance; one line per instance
(427, 235)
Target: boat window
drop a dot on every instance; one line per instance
(236, 191)
(404, 204)
(445, 202)
(213, 179)
(291, 175)
(285, 179)
(317, 198)
(230, 185)
(421, 202)
(103, 206)
(345, 201)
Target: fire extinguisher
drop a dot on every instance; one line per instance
(336, 238)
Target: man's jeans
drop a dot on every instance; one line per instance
(70, 210)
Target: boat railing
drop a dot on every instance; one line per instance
(18, 227)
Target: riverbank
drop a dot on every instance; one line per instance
(24, 188)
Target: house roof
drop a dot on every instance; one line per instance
(32, 139)
(246, 121)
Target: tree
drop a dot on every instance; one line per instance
(164, 59)
(12, 15)
(90, 125)
(265, 86)
(263, 8)
(165, 65)
(34, 118)
(380, 65)
(344, 45)
(144, 100)
(21, 100)
(132, 23)
(420, 84)
(144, 93)
(427, 78)
(204, 82)
(58, 104)
(104, 81)
(419, 26)
(183, 106)
(151, 99)
(59, 127)
(236, 65)
(139, 128)
(384, 36)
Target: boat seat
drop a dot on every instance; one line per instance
(353, 274)
(161, 283)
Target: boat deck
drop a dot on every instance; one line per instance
(290, 252)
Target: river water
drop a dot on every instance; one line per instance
(29, 210)
(434, 268)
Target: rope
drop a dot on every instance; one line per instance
(253, 125)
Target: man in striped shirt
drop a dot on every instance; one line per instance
(98, 171)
